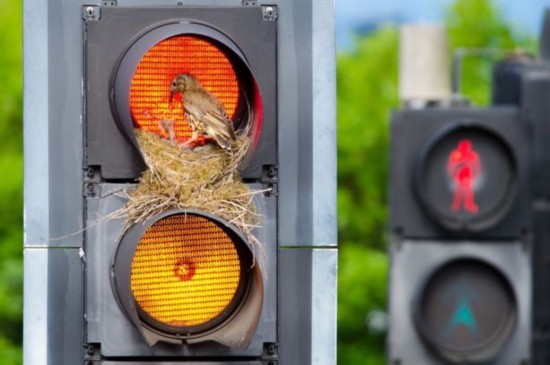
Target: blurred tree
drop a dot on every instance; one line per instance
(479, 24)
(362, 278)
(11, 188)
(367, 91)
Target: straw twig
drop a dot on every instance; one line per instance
(204, 178)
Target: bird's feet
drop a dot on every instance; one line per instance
(168, 126)
(190, 143)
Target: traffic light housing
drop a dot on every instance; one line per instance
(430, 197)
(460, 288)
(534, 92)
(79, 162)
(174, 292)
(459, 301)
(132, 55)
(182, 276)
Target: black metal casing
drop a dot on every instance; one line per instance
(530, 85)
(117, 29)
(425, 238)
(412, 130)
(112, 161)
(535, 101)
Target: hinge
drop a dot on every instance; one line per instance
(270, 173)
(250, 3)
(109, 3)
(91, 353)
(270, 356)
(91, 180)
(92, 174)
(91, 190)
(91, 12)
(269, 12)
(270, 180)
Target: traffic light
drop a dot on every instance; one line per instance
(183, 276)
(473, 238)
(459, 172)
(460, 287)
(185, 284)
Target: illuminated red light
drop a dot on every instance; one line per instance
(464, 169)
(150, 100)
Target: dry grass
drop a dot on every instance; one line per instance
(204, 178)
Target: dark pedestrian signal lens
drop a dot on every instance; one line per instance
(466, 178)
(466, 310)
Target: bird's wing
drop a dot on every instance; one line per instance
(210, 112)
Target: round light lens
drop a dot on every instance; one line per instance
(466, 310)
(150, 97)
(188, 274)
(467, 178)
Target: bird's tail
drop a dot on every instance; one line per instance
(223, 142)
(246, 125)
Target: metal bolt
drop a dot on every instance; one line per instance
(90, 350)
(90, 189)
(90, 11)
(90, 172)
(271, 172)
(269, 10)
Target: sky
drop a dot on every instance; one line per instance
(524, 14)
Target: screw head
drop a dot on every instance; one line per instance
(90, 11)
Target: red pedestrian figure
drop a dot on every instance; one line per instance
(464, 168)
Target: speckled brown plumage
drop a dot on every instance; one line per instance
(204, 112)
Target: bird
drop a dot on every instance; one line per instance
(167, 125)
(203, 111)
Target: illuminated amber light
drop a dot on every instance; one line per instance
(186, 271)
(150, 100)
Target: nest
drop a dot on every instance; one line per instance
(204, 178)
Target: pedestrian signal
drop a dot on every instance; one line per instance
(466, 308)
(459, 210)
(458, 171)
(464, 168)
(466, 177)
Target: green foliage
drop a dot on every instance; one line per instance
(362, 278)
(9, 354)
(479, 24)
(367, 91)
(11, 188)
(10, 71)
